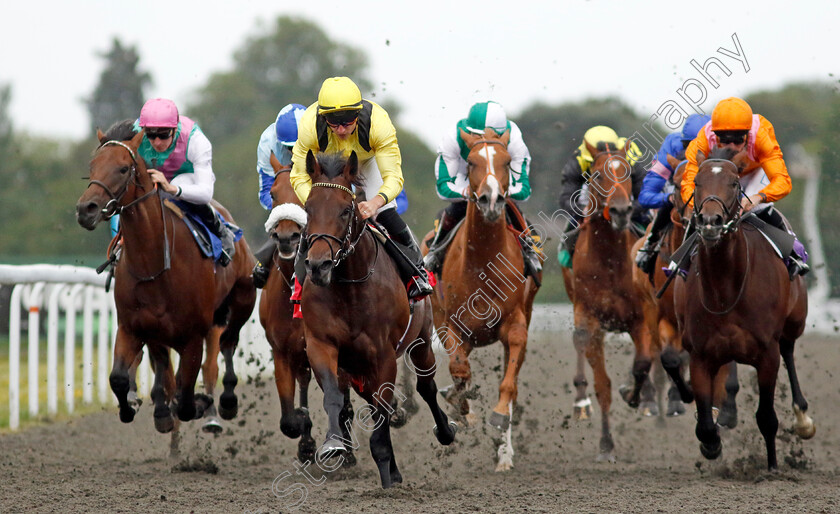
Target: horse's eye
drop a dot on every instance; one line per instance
(125, 169)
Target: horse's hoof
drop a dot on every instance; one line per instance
(804, 425)
(446, 438)
(711, 452)
(228, 406)
(583, 409)
(499, 421)
(186, 412)
(605, 457)
(471, 420)
(127, 414)
(649, 409)
(212, 426)
(396, 477)
(349, 460)
(399, 418)
(164, 424)
(445, 391)
(503, 466)
(675, 408)
(331, 449)
(727, 418)
(626, 393)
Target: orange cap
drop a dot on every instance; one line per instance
(732, 114)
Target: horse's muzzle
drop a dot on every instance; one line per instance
(620, 217)
(710, 227)
(491, 207)
(88, 214)
(320, 271)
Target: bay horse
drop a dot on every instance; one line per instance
(738, 304)
(482, 295)
(601, 287)
(168, 296)
(669, 335)
(357, 317)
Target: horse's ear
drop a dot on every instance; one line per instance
(100, 136)
(312, 164)
(673, 162)
(740, 159)
(589, 148)
(505, 137)
(351, 168)
(137, 139)
(468, 137)
(700, 157)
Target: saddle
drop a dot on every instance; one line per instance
(209, 244)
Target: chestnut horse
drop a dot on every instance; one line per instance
(738, 304)
(166, 293)
(482, 295)
(601, 287)
(356, 317)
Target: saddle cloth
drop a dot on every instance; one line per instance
(209, 244)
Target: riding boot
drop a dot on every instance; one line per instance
(533, 261)
(213, 222)
(433, 261)
(646, 256)
(796, 262)
(566, 249)
(262, 268)
(416, 278)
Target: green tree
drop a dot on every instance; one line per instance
(119, 94)
(6, 126)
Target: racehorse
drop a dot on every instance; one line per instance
(601, 287)
(357, 317)
(738, 304)
(482, 295)
(167, 295)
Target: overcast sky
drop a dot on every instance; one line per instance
(440, 56)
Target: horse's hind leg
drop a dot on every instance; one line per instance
(459, 369)
(603, 392)
(345, 420)
(381, 448)
(323, 358)
(765, 416)
(240, 304)
(581, 338)
(210, 375)
(728, 414)
(126, 349)
(641, 336)
(804, 425)
(228, 402)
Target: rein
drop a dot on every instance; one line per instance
(740, 292)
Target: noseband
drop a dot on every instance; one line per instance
(345, 246)
(113, 206)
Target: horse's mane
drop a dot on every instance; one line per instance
(332, 166)
(725, 153)
(121, 131)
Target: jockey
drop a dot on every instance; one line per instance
(573, 179)
(277, 140)
(341, 121)
(179, 156)
(764, 178)
(453, 184)
(658, 185)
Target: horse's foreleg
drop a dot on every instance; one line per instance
(706, 430)
(642, 340)
(515, 343)
(381, 448)
(323, 358)
(671, 359)
(306, 445)
(185, 381)
(765, 416)
(127, 348)
(284, 380)
(163, 388)
(804, 425)
(210, 376)
(581, 338)
(726, 388)
(603, 393)
(228, 402)
(423, 365)
(459, 369)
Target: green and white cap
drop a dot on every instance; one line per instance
(486, 115)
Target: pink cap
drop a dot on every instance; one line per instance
(159, 112)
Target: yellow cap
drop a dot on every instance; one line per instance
(339, 94)
(601, 133)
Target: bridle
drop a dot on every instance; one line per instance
(347, 244)
(113, 206)
(474, 195)
(732, 211)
